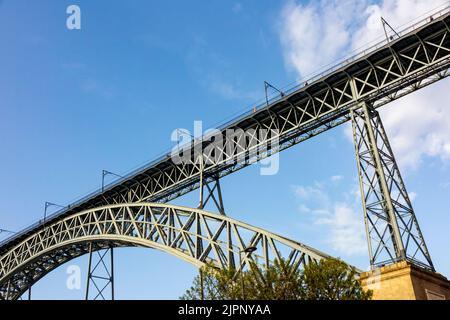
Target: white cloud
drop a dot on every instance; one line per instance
(347, 230)
(412, 195)
(319, 32)
(316, 33)
(343, 217)
(311, 193)
(336, 178)
(303, 208)
(398, 13)
(418, 125)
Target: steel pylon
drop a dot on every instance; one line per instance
(213, 192)
(393, 233)
(100, 273)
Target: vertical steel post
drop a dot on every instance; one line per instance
(88, 280)
(8, 289)
(393, 233)
(199, 241)
(201, 204)
(219, 195)
(112, 272)
(361, 189)
(97, 277)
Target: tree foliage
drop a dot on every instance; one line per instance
(332, 279)
(329, 279)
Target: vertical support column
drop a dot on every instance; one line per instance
(214, 193)
(205, 181)
(199, 240)
(89, 272)
(219, 195)
(393, 233)
(202, 181)
(111, 250)
(231, 262)
(101, 276)
(8, 288)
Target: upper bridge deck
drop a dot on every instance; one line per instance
(381, 73)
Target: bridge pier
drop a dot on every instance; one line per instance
(405, 281)
(400, 262)
(393, 233)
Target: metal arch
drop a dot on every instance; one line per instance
(375, 77)
(181, 233)
(294, 113)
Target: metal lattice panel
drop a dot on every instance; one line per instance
(391, 225)
(387, 72)
(119, 214)
(100, 279)
(193, 235)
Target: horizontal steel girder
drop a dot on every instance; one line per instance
(194, 235)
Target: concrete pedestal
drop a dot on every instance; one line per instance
(403, 281)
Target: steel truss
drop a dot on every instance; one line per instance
(409, 63)
(193, 235)
(100, 274)
(389, 71)
(214, 193)
(393, 233)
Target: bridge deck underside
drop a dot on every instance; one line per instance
(396, 69)
(401, 66)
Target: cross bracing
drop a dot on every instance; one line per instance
(193, 235)
(392, 69)
(393, 233)
(418, 58)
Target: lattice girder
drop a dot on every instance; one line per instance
(193, 235)
(391, 225)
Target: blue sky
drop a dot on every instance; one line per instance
(108, 96)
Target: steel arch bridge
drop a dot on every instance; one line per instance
(353, 90)
(194, 235)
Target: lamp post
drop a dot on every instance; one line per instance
(199, 157)
(105, 173)
(248, 251)
(6, 231)
(50, 204)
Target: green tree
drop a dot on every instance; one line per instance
(213, 284)
(332, 279)
(277, 282)
(327, 279)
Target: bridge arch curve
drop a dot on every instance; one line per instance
(194, 235)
